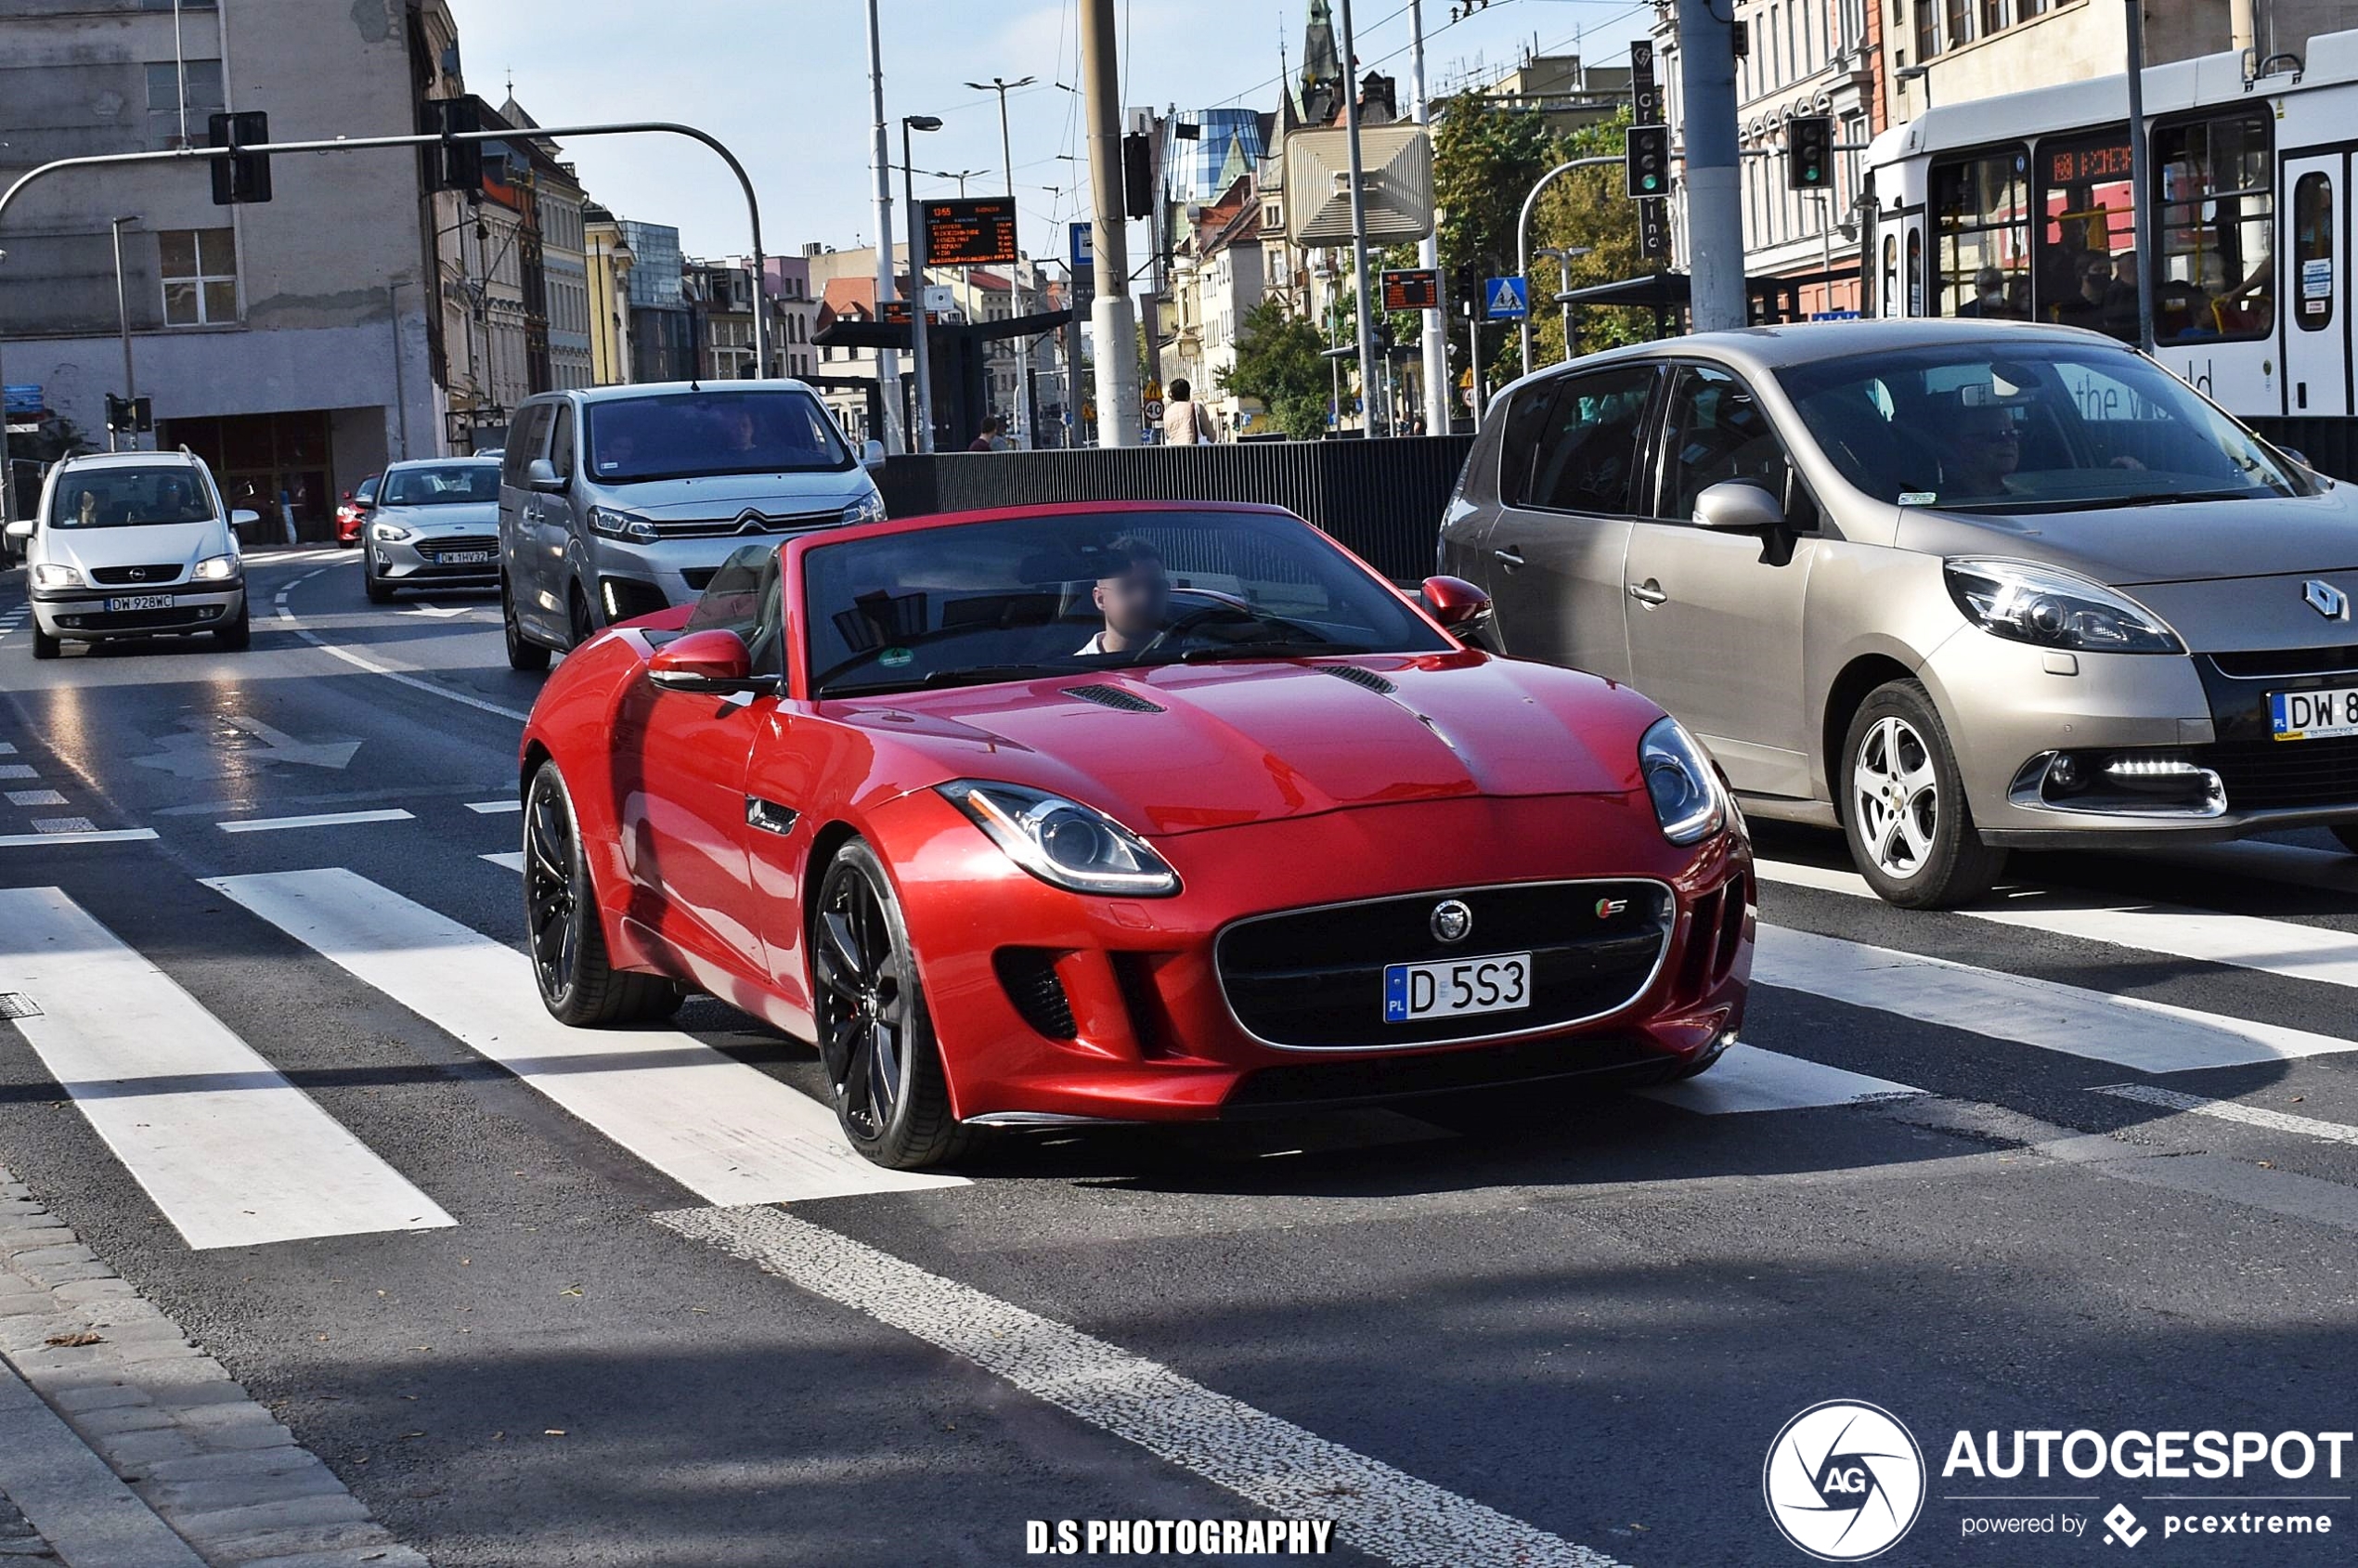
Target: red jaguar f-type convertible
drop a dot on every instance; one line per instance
(1124, 813)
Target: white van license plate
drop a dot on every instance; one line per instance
(2314, 716)
(1499, 983)
(141, 602)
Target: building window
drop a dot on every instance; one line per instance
(1927, 30)
(1982, 206)
(1993, 15)
(1959, 24)
(199, 271)
(163, 101)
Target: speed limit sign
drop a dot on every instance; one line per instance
(1154, 408)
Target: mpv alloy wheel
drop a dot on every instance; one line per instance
(1903, 804)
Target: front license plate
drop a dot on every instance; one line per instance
(141, 602)
(2314, 716)
(465, 558)
(1499, 983)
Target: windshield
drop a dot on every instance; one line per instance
(121, 497)
(2028, 427)
(1089, 591)
(443, 485)
(674, 436)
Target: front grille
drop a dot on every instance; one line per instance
(113, 576)
(1029, 976)
(1358, 677)
(438, 548)
(1276, 1091)
(2262, 774)
(2276, 662)
(755, 522)
(1114, 697)
(1315, 978)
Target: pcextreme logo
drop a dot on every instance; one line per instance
(1844, 1481)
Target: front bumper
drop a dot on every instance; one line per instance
(81, 615)
(417, 562)
(1148, 1032)
(630, 577)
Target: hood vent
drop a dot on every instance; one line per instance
(1358, 677)
(1114, 697)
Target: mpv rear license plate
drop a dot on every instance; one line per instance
(1499, 983)
(465, 558)
(2314, 716)
(141, 602)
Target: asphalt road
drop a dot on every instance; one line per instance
(2096, 1167)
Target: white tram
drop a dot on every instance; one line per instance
(2018, 207)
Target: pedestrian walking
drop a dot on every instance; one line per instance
(1186, 423)
(992, 437)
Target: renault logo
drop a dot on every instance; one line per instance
(1451, 920)
(2326, 600)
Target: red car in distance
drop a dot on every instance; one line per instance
(355, 509)
(1124, 813)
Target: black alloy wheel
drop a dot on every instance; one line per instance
(578, 984)
(876, 1036)
(583, 622)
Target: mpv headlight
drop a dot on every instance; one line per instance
(869, 508)
(614, 523)
(55, 575)
(1685, 790)
(1062, 841)
(390, 533)
(216, 569)
(2056, 609)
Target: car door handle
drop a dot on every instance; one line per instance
(1648, 593)
(530, 515)
(1510, 557)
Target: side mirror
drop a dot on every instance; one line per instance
(2297, 455)
(1738, 506)
(541, 474)
(241, 518)
(1455, 603)
(873, 455)
(347, 495)
(20, 528)
(712, 660)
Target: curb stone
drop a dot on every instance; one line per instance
(182, 1443)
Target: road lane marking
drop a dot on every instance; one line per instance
(1748, 1078)
(2124, 1030)
(512, 859)
(1269, 1462)
(2243, 941)
(2231, 1110)
(372, 667)
(36, 798)
(8, 749)
(493, 807)
(16, 771)
(232, 1152)
(64, 824)
(323, 819)
(724, 1131)
(47, 839)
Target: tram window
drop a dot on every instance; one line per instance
(1890, 303)
(1915, 271)
(2086, 275)
(2313, 251)
(2216, 276)
(1982, 266)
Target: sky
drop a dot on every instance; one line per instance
(785, 84)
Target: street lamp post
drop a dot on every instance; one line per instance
(917, 278)
(1563, 257)
(1007, 156)
(123, 323)
(1523, 231)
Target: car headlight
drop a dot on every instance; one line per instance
(614, 523)
(2056, 609)
(1062, 841)
(1679, 778)
(52, 574)
(217, 569)
(869, 508)
(390, 533)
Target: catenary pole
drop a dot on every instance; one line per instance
(1370, 393)
(2140, 198)
(1714, 201)
(1112, 320)
(1436, 332)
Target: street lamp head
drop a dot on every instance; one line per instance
(922, 122)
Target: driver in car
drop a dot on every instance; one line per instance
(1133, 595)
(1983, 447)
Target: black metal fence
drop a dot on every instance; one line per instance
(1382, 500)
(2330, 445)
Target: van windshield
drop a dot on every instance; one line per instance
(124, 498)
(676, 435)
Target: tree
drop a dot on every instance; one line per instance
(1487, 155)
(1587, 208)
(1280, 362)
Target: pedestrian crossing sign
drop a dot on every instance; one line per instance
(1507, 299)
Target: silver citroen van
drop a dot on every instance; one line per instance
(620, 501)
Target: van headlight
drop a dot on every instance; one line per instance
(869, 508)
(217, 569)
(616, 523)
(1681, 782)
(1061, 841)
(49, 573)
(2056, 609)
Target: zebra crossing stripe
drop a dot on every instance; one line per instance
(2230, 1111)
(1748, 1078)
(232, 1152)
(721, 1128)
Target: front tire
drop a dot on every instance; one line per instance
(579, 619)
(1903, 804)
(578, 984)
(237, 635)
(876, 1034)
(44, 645)
(379, 594)
(522, 653)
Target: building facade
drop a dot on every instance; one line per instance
(794, 315)
(608, 263)
(663, 326)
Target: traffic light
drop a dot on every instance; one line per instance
(130, 413)
(455, 166)
(1810, 153)
(1646, 155)
(1138, 175)
(244, 177)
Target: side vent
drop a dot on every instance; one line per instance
(1114, 697)
(1358, 677)
(1029, 976)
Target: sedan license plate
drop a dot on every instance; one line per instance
(141, 602)
(465, 558)
(2314, 716)
(1499, 983)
